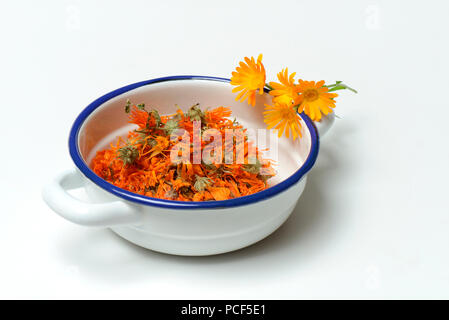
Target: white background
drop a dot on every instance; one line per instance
(373, 221)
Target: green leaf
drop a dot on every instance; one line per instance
(186, 192)
(253, 168)
(128, 106)
(152, 142)
(171, 126)
(209, 166)
(201, 183)
(264, 177)
(149, 142)
(141, 106)
(156, 116)
(171, 194)
(195, 113)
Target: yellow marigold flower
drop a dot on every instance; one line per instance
(286, 91)
(249, 77)
(315, 98)
(283, 117)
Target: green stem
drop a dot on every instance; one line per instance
(342, 87)
(339, 85)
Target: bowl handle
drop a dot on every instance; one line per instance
(88, 214)
(325, 124)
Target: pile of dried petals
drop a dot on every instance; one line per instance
(142, 164)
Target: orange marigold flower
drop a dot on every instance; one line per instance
(249, 77)
(286, 91)
(315, 99)
(283, 117)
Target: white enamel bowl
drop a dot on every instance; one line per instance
(174, 227)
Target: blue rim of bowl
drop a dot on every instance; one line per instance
(149, 201)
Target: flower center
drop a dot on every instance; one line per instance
(311, 95)
(256, 81)
(286, 113)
